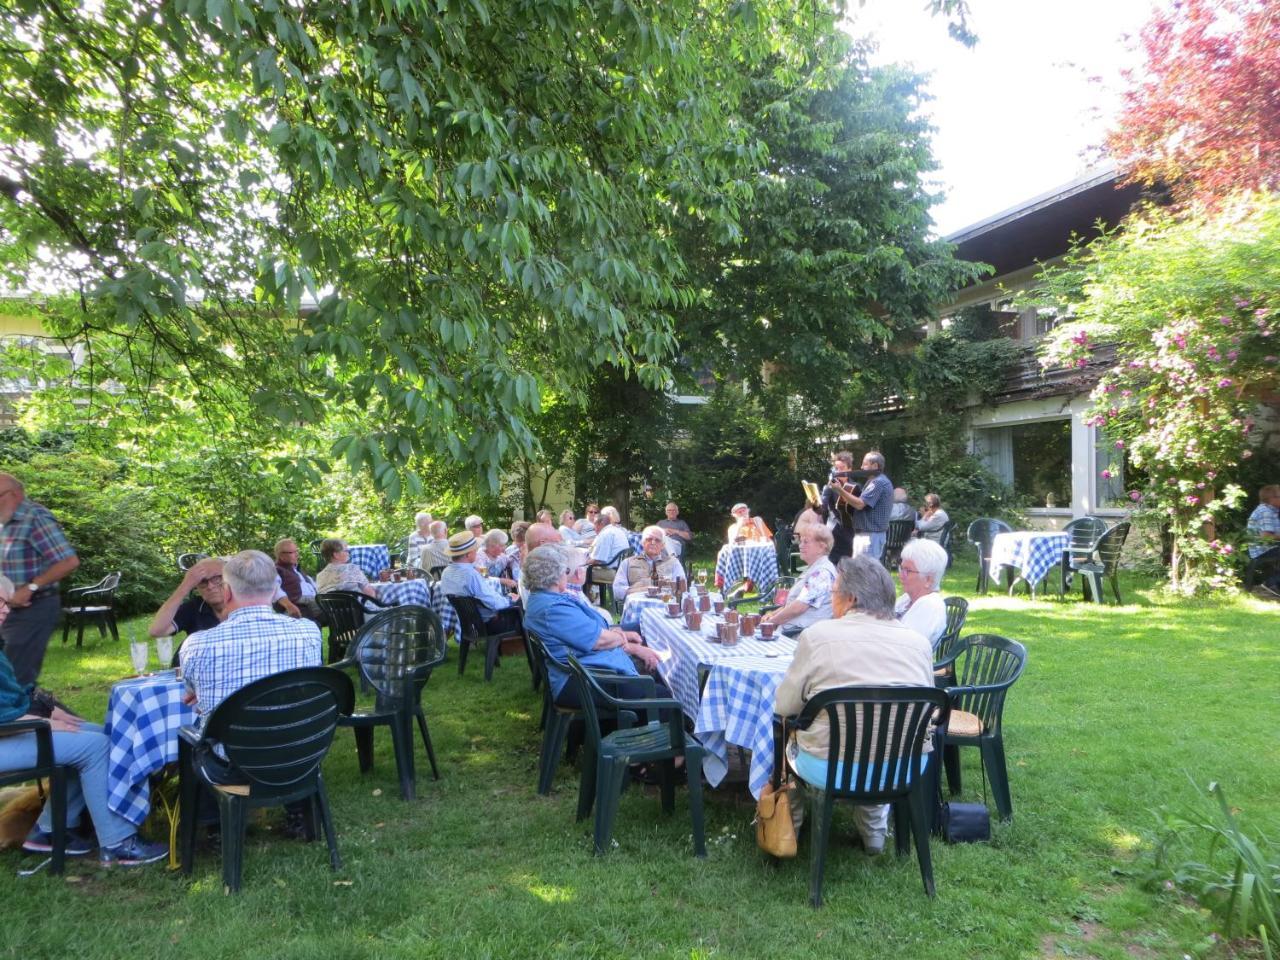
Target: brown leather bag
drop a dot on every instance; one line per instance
(775, 833)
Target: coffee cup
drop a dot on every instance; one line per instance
(748, 625)
(767, 629)
(673, 609)
(731, 616)
(693, 620)
(652, 592)
(730, 635)
(704, 603)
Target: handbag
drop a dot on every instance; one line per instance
(775, 833)
(965, 823)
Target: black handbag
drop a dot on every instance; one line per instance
(965, 822)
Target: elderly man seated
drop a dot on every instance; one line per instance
(863, 646)
(902, 509)
(462, 579)
(611, 540)
(653, 563)
(567, 627)
(419, 540)
(920, 607)
(810, 599)
(183, 613)
(296, 583)
(436, 553)
(339, 572)
(746, 527)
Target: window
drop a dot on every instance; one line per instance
(1109, 473)
(1033, 458)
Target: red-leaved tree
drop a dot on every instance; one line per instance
(1203, 115)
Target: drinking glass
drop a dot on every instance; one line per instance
(702, 577)
(139, 654)
(164, 651)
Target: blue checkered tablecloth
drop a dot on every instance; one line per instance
(143, 718)
(1031, 554)
(737, 708)
(423, 593)
(758, 561)
(684, 653)
(372, 558)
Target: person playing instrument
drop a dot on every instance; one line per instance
(835, 509)
(871, 506)
(746, 527)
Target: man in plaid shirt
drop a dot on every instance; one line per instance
(252, 642)
(35, 555)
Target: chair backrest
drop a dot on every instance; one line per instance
(876, 734)
(1110, 546)
(782, 544)
(314, 547)
(945, 534)
(469, 616)
(397, 649)
(991, 663)
(983, 530)
(188, 560)
(1085, 533)
(957, 611)
(542, 661)
(345, 611)
(277, 730)
(436, 572)
(898, 534)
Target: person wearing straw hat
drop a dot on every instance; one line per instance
(462, 579)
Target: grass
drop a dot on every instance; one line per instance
(1120, 710)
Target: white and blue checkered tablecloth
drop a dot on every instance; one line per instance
(682, 653)
(757, 561)
(372, 558)
(1032, 554)
(423, 593)
(143, 718)
(737, 708)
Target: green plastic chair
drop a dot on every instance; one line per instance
(557, 719)
(985, 667)
(395, 653)
(48, 768)
(607, 757)
(276, 733)
(1085, 533)
(981, 532)
(1106, 566)
(896, 538)
(877, 738)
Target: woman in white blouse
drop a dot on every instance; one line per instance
(920, 571)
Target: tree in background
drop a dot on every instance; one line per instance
(1203, 116)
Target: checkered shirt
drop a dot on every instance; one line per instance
(30, 543)
(758, 561)
(1031, 554)
(1264, 519)
(422, 593)
(250, 644)
(877, 494)
(372, 558)
(143, 719)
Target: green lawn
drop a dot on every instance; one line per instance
(1119, 712)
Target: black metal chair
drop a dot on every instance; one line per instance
(477, 631)
(275, 733)
(95, 604)
(1260, 566)
(981, 532)
(1106, 566)
(876, 748)
(345, 612)
(985, 666)
(608, 756)
(395, 653)
(45, 767)
(1085, 532)
(188, 560)
(895, 539)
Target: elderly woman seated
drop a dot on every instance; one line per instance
(920, 607)
(494, 561)
(649, 566)
(339, 572)
(864, 646)
(932, 518)
(567, 626)
(810, 599)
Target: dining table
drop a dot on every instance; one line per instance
(1029, 554)
(728, 692)
(757, 562)
(372, 558)
(144, 715)
(423, 593)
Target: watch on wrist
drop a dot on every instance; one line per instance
(33, 586)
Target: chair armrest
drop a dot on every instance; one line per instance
(190, 734)
(947, 661)
(954, 693)
(44, 737)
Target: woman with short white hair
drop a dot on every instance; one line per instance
(920, 570)
(495, 560)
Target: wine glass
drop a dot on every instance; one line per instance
(164, 651)
(139, 653)
(702, 577)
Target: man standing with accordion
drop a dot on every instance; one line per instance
(858, 515)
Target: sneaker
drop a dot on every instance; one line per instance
(38, 841)
(133, 852)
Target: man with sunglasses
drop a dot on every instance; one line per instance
(183, 613)
(35, 555)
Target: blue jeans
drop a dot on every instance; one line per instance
(86, 752)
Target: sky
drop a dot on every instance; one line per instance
(1017, 114)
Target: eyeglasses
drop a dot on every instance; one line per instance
(214, 581)
(903, 568)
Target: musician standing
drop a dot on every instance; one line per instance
(863, 517)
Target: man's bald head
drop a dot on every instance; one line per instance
(540, 533)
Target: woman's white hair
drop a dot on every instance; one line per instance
(929, 557)
(496, 535)
(545, 565)
(610, 514)
(867, 583)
